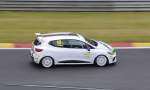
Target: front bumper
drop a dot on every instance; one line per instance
(112, 58)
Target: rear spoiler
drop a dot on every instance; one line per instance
(42, 35)
(54, 34)
(37, 34)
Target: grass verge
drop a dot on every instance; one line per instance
(106, 26)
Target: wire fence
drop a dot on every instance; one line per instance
(75, 5)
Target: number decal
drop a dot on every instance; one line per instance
(87, 54)
(59, 43)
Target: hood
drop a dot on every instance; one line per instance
(104, 45)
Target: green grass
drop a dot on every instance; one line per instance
(106, 26)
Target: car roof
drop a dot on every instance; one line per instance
(60, 35)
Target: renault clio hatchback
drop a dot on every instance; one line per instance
(70, 48)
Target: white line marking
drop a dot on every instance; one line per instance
(49, 86)
(132, 47)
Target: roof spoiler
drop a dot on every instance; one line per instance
(40, 34)
(53, 34)
(37, 34)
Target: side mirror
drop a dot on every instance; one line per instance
(88, 48)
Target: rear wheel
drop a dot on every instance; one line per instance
(101, 60)
(47, 62)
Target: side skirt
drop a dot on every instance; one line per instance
(74, 62)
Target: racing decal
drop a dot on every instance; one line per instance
(114, 50)
(88, 54)
(59, 43)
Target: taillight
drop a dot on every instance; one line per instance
(38, 50)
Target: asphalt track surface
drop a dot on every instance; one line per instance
(132, 72)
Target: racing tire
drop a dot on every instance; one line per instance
(101, 60)
(47, 62)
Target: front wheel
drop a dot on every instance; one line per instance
(101, 60)
(47, 62)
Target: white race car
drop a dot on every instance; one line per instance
(70, 48)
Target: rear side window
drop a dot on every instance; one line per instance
(56, 43)
(36, 42)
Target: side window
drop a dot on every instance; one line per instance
(66, 43)
(77, 44)
(89, 46)
(69, 43)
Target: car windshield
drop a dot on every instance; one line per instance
(91, 41)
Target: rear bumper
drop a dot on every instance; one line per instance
(34, 57)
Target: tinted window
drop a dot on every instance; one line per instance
(36, 42)
(56, 43)
(89, 46)
(77, 44)
(92, 42)
(68, 43)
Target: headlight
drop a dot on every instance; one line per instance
(112, 52)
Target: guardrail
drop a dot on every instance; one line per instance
(75, 5)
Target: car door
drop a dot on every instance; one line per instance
(71, 51)
(76, 51)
